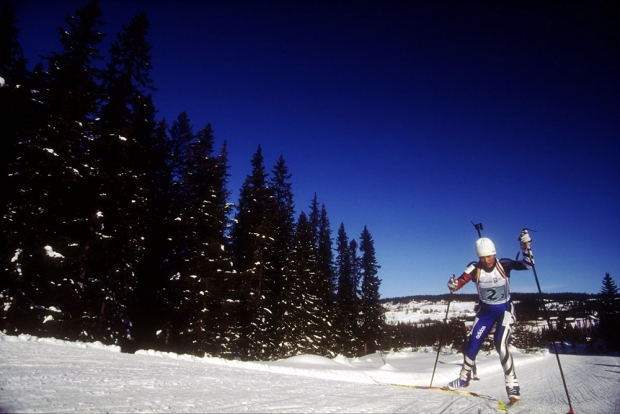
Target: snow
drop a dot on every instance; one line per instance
(51, 253)
(49, 375)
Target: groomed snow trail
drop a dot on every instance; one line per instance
(46, 375)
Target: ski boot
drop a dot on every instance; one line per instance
(512, 389)
(461, 382)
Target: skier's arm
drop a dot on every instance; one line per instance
(455, 284)
(525, 243)
(528, 257)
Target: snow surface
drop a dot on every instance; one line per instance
(49, 375)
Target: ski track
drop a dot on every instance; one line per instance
(593, 385)
(592, 381)
(41, 376)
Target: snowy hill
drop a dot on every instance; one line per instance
(48, 375)
(414, 311)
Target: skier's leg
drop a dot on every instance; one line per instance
(481, 328)
(501, 339)
(474, 370)
(469, 362)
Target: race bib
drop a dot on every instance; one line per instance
(493, 295)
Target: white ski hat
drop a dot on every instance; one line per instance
(485, 247)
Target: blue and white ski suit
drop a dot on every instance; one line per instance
(496, 309)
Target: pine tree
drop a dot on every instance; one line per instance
(199, 282)
(610, 313)
(164, 241)
(52, 218)
(15, 96)
(17, 121)
(118, 155)
(371, 311)
(323, 286)
(354, 338)
(182, 137)
(346, 298)
(285, 284)
(299, 329)
(609, 291)
(226, 324)
(252, 241)
(149, 305)
(314, 218)
(326, 285)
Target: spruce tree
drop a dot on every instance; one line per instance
(225, 310)
(371, 311)
(119, 153)
(314, 218)
(324, 285)
(53, 215)
(149, 305)
(299, 328)
(199, 281)
(355, 322)
(181, 139)
(326, 279)
(15, 98)
(284, 282)
(160, 265)
(252, 241)
(17, 123)
(609, 291)
(346, 299)
(609, 313)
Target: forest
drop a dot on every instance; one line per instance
(120, 228)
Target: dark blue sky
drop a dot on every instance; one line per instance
(412, 118)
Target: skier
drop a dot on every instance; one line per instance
(492, 278)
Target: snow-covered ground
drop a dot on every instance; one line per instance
(48, 375)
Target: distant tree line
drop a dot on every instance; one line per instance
(119, 228)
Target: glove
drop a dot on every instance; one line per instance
(525, 240)
(453, 284)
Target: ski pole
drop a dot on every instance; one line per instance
(441, 337)
(555, 347)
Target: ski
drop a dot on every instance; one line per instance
(500, 405)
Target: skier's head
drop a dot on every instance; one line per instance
(485, 247)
